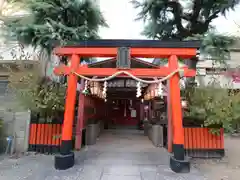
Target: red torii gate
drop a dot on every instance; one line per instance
(137, 48)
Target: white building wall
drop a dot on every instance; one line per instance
(223, 81)
(203, 78)
(13, 48)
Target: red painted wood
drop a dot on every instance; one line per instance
(169, 113)
(135, 52)
(175, 102)
(201, 138)
(139, 72)
(70, 101)
(80, 120)
(45, 134)
(93, 103)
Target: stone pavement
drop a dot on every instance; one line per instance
(116, 156)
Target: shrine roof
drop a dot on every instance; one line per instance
(111, 63)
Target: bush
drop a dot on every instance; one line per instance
(216, 107)
(37, 93)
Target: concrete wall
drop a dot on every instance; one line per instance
(16, 124)
(235, 58)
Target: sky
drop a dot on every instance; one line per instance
(120, 16)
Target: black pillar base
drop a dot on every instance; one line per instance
(179, 166)
(63, 162)
(66, 147)
(178, 151)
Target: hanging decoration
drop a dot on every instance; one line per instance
(147, 96)
(130, 104)
(179, 71)
(155, 90)
(104, 93)
(160, 90)
(85, 90)
(139, 93)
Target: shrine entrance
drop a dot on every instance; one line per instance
(124, 108)
(147, 78)
(123, 113)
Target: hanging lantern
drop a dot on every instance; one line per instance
(184, 104)
(91, 87)
(96, 88)
(145, 97)
(148, 96)
(152, 93)
(155, 90)
(99, 92)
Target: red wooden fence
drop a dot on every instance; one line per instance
(45, 138)
(199, 142)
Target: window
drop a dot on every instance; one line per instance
(3, 87)
(215, 70)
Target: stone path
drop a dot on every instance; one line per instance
(116, 156)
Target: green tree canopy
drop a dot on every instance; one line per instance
(184, 20)
(57, 21)
(178, 19)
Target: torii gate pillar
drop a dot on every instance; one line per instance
(178, 162)
(66, 158)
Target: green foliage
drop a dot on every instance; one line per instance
(215, 106)
(32, 90)
(38, 94)
(187, 20)
(167, 19)
(215, 45)
(57, 21)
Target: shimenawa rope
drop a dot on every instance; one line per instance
(179, 70)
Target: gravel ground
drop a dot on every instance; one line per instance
(116, 156)
(227, 168)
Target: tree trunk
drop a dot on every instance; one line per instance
(44, 59)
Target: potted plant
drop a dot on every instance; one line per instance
(156, 133)
(92, 131)
(145, 126)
